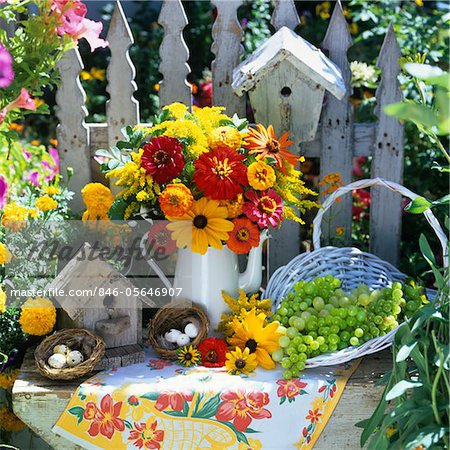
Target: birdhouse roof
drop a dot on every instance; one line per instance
(285, 45)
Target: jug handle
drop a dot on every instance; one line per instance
(152, 263)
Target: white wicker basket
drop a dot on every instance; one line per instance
(350, 265)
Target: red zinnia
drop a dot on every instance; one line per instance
(163, 158)
(244, 236)
(221, 173)
(213, 351)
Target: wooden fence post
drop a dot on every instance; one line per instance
(72, 132)
(387, 162)
(174, 55)
(285, 15)
(122, 108)
(337, 124)
(227, 35)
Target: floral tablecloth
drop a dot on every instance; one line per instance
(160, 405)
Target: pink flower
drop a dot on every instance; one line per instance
(2, 115)
(3, 192)
(33, 177)
(265, 209)
(23, 101)
(72, 14)
(53, 170)
(6, 70)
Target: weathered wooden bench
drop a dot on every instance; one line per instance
(39, 402)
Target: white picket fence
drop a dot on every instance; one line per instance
(338, 140)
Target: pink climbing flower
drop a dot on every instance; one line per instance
(6, 70)
(23, 101)
(3, 192)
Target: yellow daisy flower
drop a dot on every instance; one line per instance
(188, 356)
(239, 361)
(203, 226)
(261, 340)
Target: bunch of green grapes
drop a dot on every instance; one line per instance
(319, 317)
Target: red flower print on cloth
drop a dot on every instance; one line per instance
(314, 415)
(90, 411)
(242, 407)
(173, 399)
(288, 389)
(146, 435)
(133, 400)
(158, 364)
(106, 419)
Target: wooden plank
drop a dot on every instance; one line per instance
(337, 124)
(174, 55)
(385, 209)
(227, 36)
(285, 15)
(72, 132)
(39, 402)
(122, 108)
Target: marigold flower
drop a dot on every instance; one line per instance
(14, 216)
(52, 190)
(5, 254)
(163, 158)
(225, 136)
(46, 203)
(261, 176)
(9, 421)
(177, 110)
(175, 200)
(37, 316)
(244, 236)
(265, 210)
(221, 173)
(2, 300)
(234, 206)
(98, 200)
(8, 377)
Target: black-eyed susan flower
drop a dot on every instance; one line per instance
(188, 356)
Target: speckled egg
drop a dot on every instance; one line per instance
(62, 349)
(74, 358)
(57, 361)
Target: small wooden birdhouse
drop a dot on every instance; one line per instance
(97, 297)
(286, 79)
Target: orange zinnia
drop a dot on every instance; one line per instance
(244, 236)
(264, 142)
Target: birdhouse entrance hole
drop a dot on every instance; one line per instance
(286, 91)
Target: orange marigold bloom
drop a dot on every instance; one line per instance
(244, 236)
(176, 200)
(265, 144)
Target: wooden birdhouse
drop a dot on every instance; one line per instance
(97, 297)
(286, 79)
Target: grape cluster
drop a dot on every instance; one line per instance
(319, 317)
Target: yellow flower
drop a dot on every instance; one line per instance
(390, 431)
(204, 225)
(228, 136)
(98, 199)
(9, 421)
(85, 75)
(239, 361)
(188, 356)
(38, 102)
(2, 300)
(98, 74)
(14, 216)
(38, 316)
(35, 142)
(33, 213)
(323, 10)
(5, 254)
(52, 190)
(353, 28)
(175, 200)
(340, 231)
(46, 203)
(261, 176)
(177, 110)
(252, 333)
(234, 206)
(419, 2)
(317, 403)
(253, 444)
(209, 117)
(7, 378)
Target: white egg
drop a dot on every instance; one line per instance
(183, 339)
(172, 335)
(191, 330)
(57, 361)
(74, 358)
(62, 349)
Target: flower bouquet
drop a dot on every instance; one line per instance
(215, 180)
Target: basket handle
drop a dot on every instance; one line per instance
(395, 187)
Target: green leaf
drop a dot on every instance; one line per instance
(418, 205)
(153, 396)
(117, 210)
(443, 201)
(251, 430)
(401, 387)
(175, 413)
(405, 351)
(426, 250)
(282, 400)
(210, 407)
(421, 115)
(103, 152)
(78, 412)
